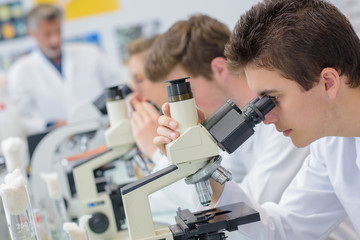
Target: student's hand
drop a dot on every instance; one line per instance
(167, 128)
(144, 124)
(134, 99)
(217, 190)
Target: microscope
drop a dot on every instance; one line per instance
(48, 153)
(194, 156)
(105, 207)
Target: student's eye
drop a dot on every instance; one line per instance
(275, 99)
(138, 80)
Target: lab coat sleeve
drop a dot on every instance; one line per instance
(276, 164)
(308, 209)
(21, 94)
(157, 157)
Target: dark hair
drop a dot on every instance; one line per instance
(193, 44)
(298, 37)
(42, 12)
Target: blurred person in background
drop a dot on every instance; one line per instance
(148, 97)
(49, 81)
(10, 125)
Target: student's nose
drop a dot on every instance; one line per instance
(270, 117)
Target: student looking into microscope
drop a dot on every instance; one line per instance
(267, 162)
(195, 48)
(306, 56)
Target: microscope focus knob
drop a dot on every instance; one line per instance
(98, 223)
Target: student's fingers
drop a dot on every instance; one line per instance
(151, 110)
(201, 115)
(167, 122)
(166, 109)
(136, 118)
(134, 102)
(147, 120)
(167, 132)
(160, 140)
(133, 123)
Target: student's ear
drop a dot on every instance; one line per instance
(331, 80)
(219, 69)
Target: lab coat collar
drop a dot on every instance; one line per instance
(47, 60)
(56, 66)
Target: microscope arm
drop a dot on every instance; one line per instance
(84, 172)
(42, 159)
(104, 222)
(136, 202)
(190, 152)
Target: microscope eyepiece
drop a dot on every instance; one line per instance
(125, 89)
(231, 126)
(258, 108)
(265, 105)
(179, 90)
(111, 94)
(177, 81)
(114, 93)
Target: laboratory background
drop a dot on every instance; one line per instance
(110, 25)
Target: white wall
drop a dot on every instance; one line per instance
(167, 11)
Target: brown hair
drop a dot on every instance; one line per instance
(298, 37)
(139, 45)
(193, 44)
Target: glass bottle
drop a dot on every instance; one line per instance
(19, 215)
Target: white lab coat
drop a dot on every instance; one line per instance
(265, 164)
(324, 192)
(170, 198)
(10, 126)
(270, 161)
(43, 95)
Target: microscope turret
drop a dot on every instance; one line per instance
(194, 156)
